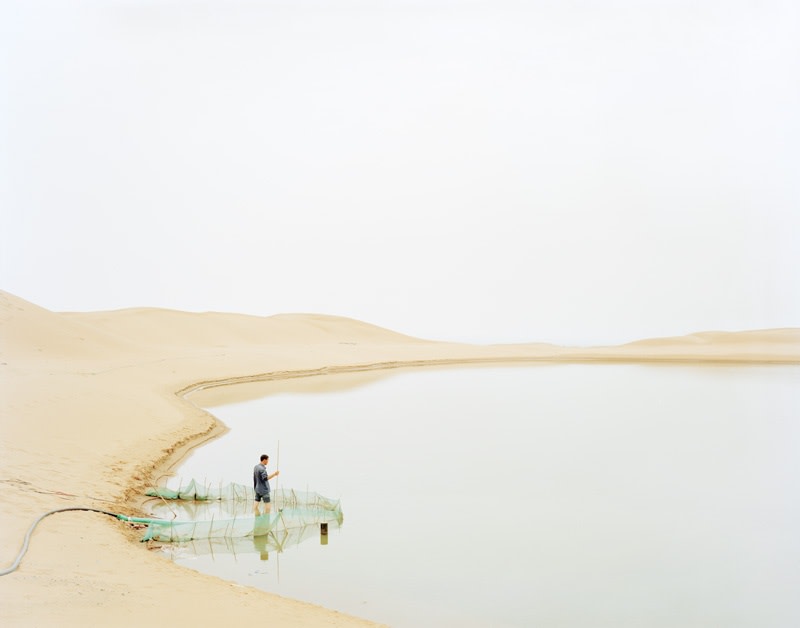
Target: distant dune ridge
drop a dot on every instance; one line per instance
(27, 327)
(93, 409)
(759, 345)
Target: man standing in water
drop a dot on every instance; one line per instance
(261, 485)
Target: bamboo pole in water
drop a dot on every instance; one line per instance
(277, 468)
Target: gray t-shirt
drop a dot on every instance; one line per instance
(260, 480)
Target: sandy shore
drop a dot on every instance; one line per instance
(94, 409)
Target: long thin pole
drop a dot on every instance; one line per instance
(277, 477)
(277, 468)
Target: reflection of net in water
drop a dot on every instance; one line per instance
(278, 539)
(295, 515)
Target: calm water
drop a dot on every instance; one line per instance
(571, 495)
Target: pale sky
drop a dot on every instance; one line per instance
(581, 172)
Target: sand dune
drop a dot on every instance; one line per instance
(762, 345)
(93, 410)
(759, 336)
(28, 330)
(170, 327)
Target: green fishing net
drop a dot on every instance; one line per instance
(195, 511)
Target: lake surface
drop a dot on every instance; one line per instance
(558, 495)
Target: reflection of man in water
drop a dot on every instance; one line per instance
(260, 544)
(261, 485)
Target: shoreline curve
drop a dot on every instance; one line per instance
(95, 405)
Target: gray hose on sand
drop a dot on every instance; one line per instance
(24, 549)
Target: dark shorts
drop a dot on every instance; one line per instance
(264, 498)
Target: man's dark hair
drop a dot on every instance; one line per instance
(264, 457)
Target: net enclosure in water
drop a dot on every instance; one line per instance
(194, 490)
(202, 511)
